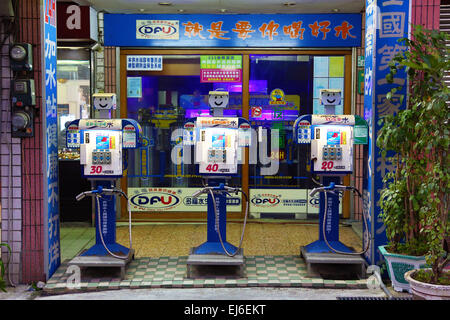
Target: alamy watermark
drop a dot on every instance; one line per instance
(374, 281)
(259, 150)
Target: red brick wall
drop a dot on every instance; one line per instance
(32, 176)
(110, 69)
(426, 13)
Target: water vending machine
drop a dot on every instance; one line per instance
(218, 144)
(103, 145)
(331, 139)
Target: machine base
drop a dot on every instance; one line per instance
(214, 248)
(320, 246)
(103, 261)
(221, 262)
(99, 250)
(342, 265)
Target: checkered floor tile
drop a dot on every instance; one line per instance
(170, 272)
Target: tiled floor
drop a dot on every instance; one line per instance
(271, 253)
(170, 272)
(74, 240)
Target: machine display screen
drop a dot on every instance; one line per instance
(333, 137)
(219, 141)
(102, 142)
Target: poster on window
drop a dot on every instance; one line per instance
(221, 68)
(134, 87)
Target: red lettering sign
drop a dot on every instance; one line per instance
(269, 29)
(243, 28)
(294, 30)
(216, 31)
(193, 29)
(344, 30)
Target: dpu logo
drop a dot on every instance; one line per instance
(155, 201)
(265, 200)
(157, 29)
(314, 201)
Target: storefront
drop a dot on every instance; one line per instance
(273, 67)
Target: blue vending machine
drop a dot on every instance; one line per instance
(219, 143)
(331, 139)
(103, 145)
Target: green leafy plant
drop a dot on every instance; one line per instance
(415, 200)
(2, 268)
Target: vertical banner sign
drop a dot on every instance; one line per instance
(50, 134)
(387, 21)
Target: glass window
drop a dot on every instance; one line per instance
(73, 100)
(328, 74)
(282, 88)
(280, 91)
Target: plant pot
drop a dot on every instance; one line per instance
(427, 291)
(398, 265)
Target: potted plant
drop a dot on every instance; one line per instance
(2, 268)
(415, 200)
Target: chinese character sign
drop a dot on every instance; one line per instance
(386, 23)
(258, 30)
(51, 205)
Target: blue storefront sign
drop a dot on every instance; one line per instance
(240, 30)
(387, 21)
(50, 134)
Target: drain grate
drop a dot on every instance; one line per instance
(374, 298)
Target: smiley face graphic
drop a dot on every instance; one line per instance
(330, 97)
(218, 99)
(104, 102)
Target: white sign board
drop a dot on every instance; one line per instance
(278, 200)
(144, 63)
(174, 199)
(284, 201)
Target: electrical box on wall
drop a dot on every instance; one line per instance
(23, 99)
(23, 92)
(21, 57)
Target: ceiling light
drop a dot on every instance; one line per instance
(223, 10)
(335, 10)
(289, 4)
(181, 10)
(141, 10)
(165, 3)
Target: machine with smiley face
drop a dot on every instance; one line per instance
(217, 142)
(331, 139)
(103, 145)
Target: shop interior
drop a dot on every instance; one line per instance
(161, 101)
